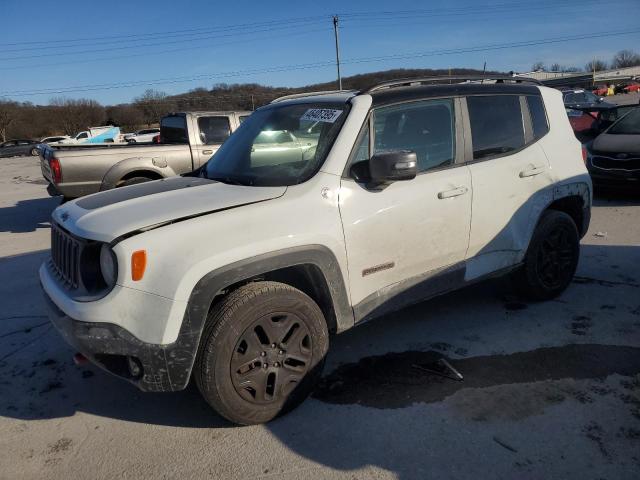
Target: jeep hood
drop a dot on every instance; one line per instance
(108, 215)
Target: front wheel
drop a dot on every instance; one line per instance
(35, 152)
(551, 259)
(261, 352)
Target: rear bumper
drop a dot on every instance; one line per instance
(163, 368)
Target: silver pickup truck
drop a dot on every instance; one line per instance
(187, 141)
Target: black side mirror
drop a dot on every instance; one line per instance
(393, 166)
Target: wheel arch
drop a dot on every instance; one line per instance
(134, 167)
(574, 199)
(313, 269)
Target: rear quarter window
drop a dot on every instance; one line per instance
(538, 114)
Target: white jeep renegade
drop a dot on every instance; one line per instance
(320, 212)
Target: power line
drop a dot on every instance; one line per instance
(127, 47)
(473, 10)
(283, 68)
(164, 33)
(306, 31)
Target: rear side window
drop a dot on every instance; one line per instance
(496, 125)
(427, 128)
(538, 116)
(173, 130)
(214, 129)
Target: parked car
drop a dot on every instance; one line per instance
(142, 136)
(613, 158)
(579, 98)
(634, 87)
(236, 274)
(106, 134)
(188, 141)
(14, 148)
(581, 123)
(600, 91)
(54, 140)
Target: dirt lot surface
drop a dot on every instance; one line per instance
(551, 390)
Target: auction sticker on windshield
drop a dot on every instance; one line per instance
(327, 115)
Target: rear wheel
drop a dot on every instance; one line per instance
(35, 152)
(133, 181)
(261, 353)
(551, 259)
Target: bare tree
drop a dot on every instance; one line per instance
(537, 66)
(8, 113)
(597, 65)
(153, 104)
(76, 115)
(625, 58)
(556, 67)
(125, 116)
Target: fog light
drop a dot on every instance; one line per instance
(135, 369)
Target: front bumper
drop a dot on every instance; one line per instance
(162, 367)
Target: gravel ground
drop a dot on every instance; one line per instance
(551, 390)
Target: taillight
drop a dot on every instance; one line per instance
(56, 170)
(584, 154)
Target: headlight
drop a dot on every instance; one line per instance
(108, 265)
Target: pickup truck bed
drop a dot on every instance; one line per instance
(189, 140)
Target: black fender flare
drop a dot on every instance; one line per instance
(181, 354)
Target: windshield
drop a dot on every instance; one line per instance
(627, 125)
(279, 145)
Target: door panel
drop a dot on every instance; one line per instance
(505, 192)
(405, 225)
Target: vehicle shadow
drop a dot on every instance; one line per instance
(616, 196)
(27, 215)
(40, 380)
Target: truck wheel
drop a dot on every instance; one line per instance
(261, 353)
(133, 181)
(551, 259)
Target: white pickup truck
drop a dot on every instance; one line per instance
(237, 274)
(187, 141)
(106, 134)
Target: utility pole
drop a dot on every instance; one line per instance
(335, 31)
(594, 71)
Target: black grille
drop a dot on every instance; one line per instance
(65, 255)
(609, 163)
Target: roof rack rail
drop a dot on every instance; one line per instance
(309, 94)
(406, 82)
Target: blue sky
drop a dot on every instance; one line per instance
(99, 43)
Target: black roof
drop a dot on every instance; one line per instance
(401, 94)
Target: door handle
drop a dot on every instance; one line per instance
(207, 152)
(532, 171)
(456, 192)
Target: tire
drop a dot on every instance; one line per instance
(34, 152)
(551, 259)
(133, 181)
(238, 341)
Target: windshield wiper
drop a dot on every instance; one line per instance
(231, 180)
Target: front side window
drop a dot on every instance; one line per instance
(278, 145)
(214, 129)
(496, 125)
(426, 127)
(82, 135)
